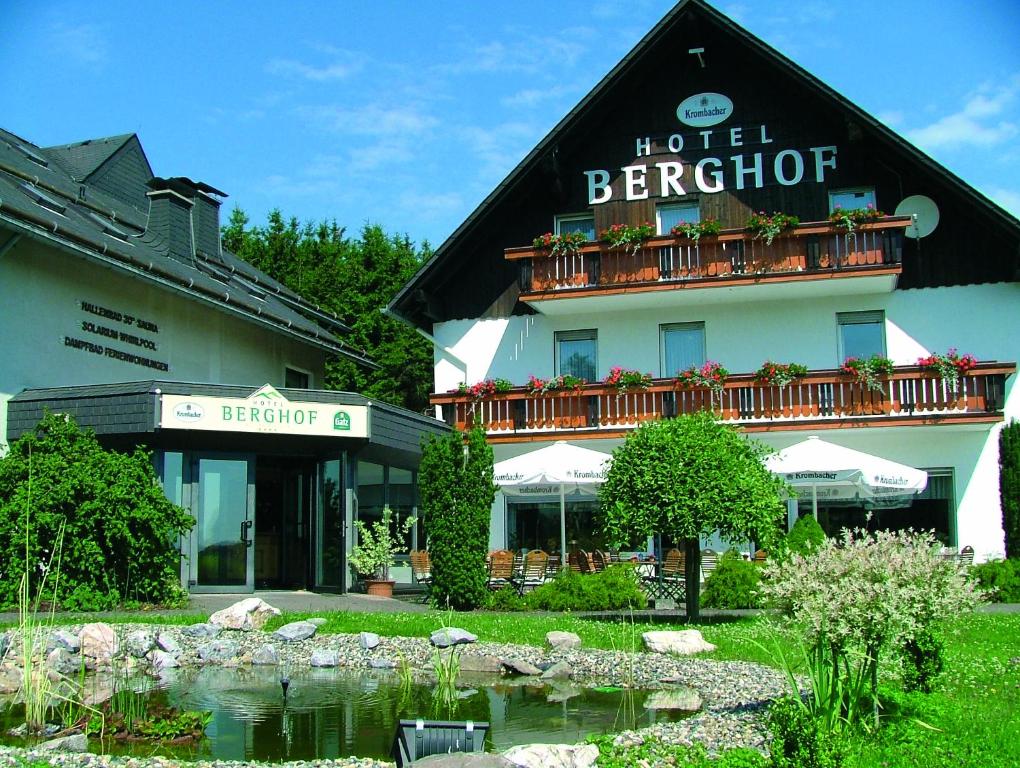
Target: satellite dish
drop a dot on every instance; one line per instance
(925, 213)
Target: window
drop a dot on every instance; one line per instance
(295, 379)
(861, 334)
(682, 345)
(576, 222)
(577, 354)
(848, 199)
(668, 216)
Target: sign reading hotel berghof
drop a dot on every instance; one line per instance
(728, 161)
(264, 411)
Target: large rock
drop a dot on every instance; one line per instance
(464, 760)
(76, 743)
(201, 630)
(680, 698)
(564, 641)
(558, 670)
(139, 642)
(162, 660)
(480, 662)
(218, 651)
(59, 638)
(684, 642)
(98, 641)
(521, 667)
(447, 636)
(63, 662)
(368, 640)
(322, 657)
(265, 656)
(250, 613)
(553, 755)
(168, 643)
(295, 631)
(382, 664)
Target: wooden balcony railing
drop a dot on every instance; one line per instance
(822, 398)
(733, 254)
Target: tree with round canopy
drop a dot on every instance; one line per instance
(689, 477)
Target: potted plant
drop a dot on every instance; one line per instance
(564, 381)
(695, 230)
(624, 379)
(779, 374)
(377, 547)
(848, 218)
(485, 388)
(711, 375)
(567, 244)
(949, 367)
(868, 371)
(629, 236)
(767, 227)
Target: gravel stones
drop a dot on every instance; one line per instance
(684, 642)
(447, 636)
(562, 640)
(295, 631)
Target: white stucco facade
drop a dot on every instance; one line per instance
(42, 292)
(975, 319)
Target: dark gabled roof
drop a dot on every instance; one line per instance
(403, 304)
(41, 200)
(83, 158)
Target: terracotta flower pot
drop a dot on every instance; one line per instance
(380, 587)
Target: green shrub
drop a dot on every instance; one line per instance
(733, 583)
(999, 579)
(615, 588)
(505, 599)
(121, 533)
(1009, 485)
(923, 661)
(805, 536)
(653, 751)
(798, 741)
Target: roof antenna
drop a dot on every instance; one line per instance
(697, 52)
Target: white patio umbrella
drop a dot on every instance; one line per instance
(843, 473)
(553, 469)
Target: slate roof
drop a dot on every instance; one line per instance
(43, 200)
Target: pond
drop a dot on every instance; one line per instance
(329, 713)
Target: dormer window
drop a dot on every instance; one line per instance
(576, 222)
(849, 199)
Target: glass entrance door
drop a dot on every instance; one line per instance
(222, 557)
(329, 527)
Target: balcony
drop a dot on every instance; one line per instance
(823, 399)
(801, 262)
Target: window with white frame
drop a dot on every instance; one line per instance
(682, 345)
(577, 354)
(861, 334)
(849, 199)
(668, 216)
(576, 222)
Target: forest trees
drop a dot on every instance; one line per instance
(352, 278)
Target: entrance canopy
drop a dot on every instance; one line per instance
(837, 473)
(557, 468)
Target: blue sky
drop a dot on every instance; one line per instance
(407, 113)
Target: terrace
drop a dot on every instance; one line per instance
(822, 398)
(868, 259)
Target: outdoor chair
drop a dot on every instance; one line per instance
(761, 556)
(501, 569)
(584, 562)
(536, 564)
(574, 562)
(709, 560)
(552, 567)
(421, 569)
(600, 560)
(967, 556)
(667, 580)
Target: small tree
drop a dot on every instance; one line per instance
(120, 535)
(456, 489)
(688, 477)
(1009, 485)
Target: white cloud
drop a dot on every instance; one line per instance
(986, 119)
(892, 118)
(499, 148)
(431, 206)
(371, 119)
(532, 97)
(83, 43)
(326, 73)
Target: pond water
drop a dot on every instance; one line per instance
(328, 713)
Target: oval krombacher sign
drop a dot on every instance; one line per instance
(265, 411)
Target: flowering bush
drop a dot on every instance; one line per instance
(624, 379)
(630, 236)
(566, 243)
(536, 386)
(485, 388)
(779, 374)
(695, 230)
(848, 218)
(711, 375)
(864, 593)
(378, 545)
(949, 367)
(768, 227)
(868, 371)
